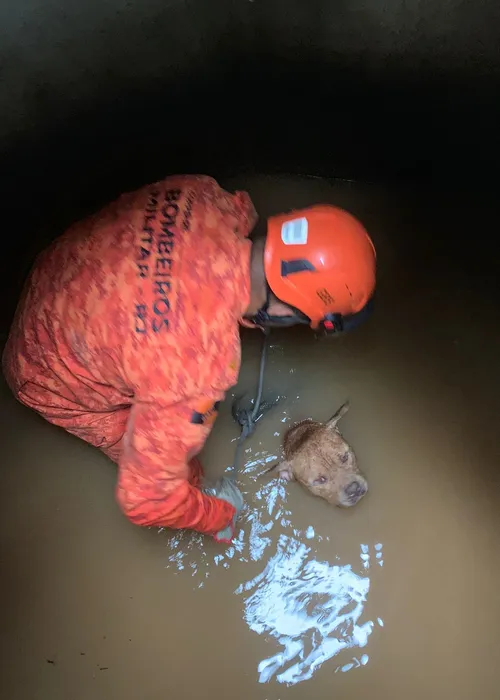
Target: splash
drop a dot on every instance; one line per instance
(311, 608)
(265, 507)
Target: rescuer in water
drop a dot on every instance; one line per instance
(127, 332)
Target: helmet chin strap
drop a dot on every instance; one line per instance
(264, 319)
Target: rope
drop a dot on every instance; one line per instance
(248, 418)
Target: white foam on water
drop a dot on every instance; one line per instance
(309, 533)
(311, 608)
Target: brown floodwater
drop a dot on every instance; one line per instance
(394, 598)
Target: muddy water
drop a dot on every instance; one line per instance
(397, 597)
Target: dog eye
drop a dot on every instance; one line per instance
(320, 480)
(344, 457)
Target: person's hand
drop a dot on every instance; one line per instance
(226, 490)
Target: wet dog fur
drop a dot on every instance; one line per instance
(318, 457)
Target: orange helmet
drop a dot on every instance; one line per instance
(321, 261)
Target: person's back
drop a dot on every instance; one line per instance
(137, 306)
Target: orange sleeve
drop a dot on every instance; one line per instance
(191, 285)
(153, 482)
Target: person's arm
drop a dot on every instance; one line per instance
(153, 483)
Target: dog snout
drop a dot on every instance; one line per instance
(354, 492)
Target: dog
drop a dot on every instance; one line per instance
(318, 457)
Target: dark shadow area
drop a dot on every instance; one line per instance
(101, 100)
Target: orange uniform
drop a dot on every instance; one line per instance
(127, 336)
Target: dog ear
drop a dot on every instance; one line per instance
(332, 423)
(286, 471)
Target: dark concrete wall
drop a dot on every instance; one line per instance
(393, 87)
(99, 97)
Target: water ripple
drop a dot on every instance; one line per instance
(310, 610)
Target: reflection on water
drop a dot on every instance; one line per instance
(311, 609)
